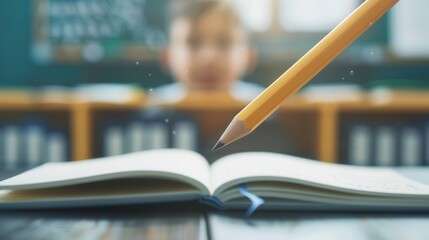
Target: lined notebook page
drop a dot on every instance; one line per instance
(351, 178)
(163, 162)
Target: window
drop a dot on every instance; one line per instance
(314, 15)
(255, 14)
(409, 35)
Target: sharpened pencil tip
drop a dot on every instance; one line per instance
(218, 145)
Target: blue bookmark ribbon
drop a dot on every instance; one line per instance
(255, 200)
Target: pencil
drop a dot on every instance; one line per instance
(304, 70)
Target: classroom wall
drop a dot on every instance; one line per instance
(17, 68)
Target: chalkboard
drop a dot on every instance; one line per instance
(98, 30)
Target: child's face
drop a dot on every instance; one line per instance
(208, 54)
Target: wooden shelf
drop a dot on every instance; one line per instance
(320, 132)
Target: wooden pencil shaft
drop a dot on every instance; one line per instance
(313, 61)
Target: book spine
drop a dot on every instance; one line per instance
(132, 132)
(136, 136)
(360, 143)
(385, 146)
(411, 146)
(12, 138)
(56, 147)
(113, 140)
(158, 135)
(34, 136)
(426, 144)
(185, 135)
(2, 148)
(212, 201)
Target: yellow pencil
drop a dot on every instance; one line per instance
(304, 69)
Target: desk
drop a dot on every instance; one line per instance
(330, 226)
(190, 222)
(102, 223)
(128, 223)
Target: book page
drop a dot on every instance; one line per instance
(257, 166)
(176, 164)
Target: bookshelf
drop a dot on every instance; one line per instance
(44, 130)
(314, 128)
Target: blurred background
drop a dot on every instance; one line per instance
(370, 106)
(66, 43)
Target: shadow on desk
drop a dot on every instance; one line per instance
(130, 222)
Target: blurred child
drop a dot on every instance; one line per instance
(207, 52)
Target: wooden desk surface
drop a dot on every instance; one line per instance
(332, 226)
(103, 223)
(190, 222)
(135, 223)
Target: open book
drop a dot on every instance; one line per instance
(168, 175)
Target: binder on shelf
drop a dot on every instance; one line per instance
(12, 142)
(31, 141)
(360, 145)
(170, 129)
(385, 146)
(156, 132)
(34, 135)
(113, 140)
(385, 139)
(185, 135)
(137, 138)
(56, 147)
(2, 143)
(411, 147)
(426, 144)
(158, 135)
(134, 131)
